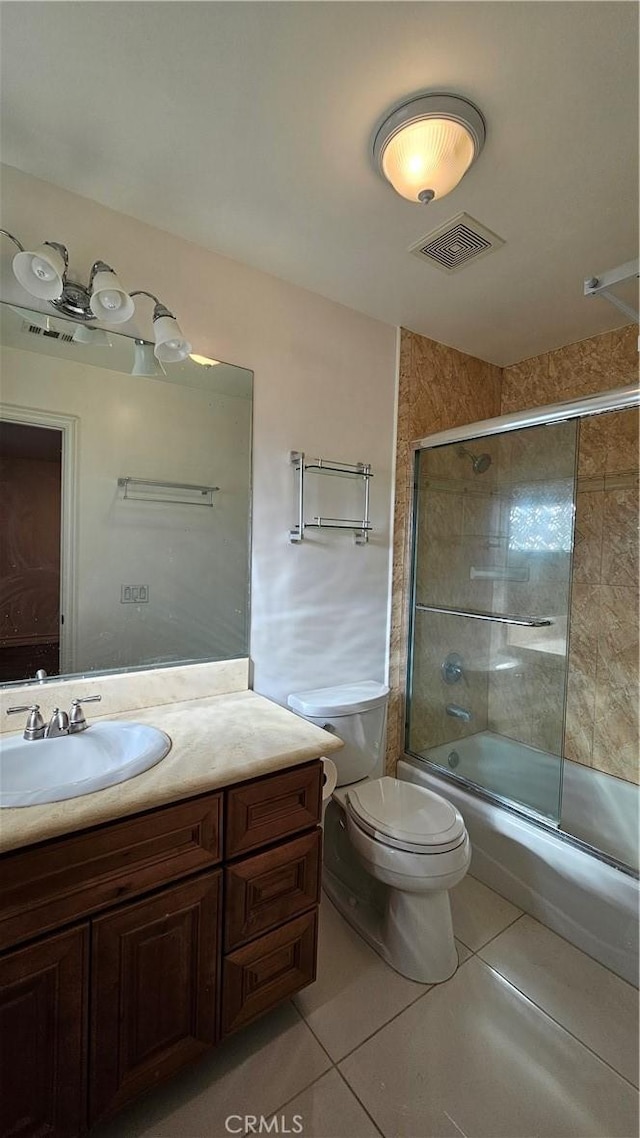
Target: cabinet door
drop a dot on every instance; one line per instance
(43, 1003)
(154, 982)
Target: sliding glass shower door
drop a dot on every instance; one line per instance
(493, 541)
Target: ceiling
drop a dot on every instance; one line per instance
(247, 128)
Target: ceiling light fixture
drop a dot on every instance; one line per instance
(425, 146)
(44, 273)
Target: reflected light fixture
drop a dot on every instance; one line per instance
(426, 145)
(94, 336)
(204, 361)
(43, 273)
(36, 319)
(144, 360)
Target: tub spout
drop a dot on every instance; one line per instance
(457, 712)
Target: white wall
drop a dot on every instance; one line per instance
(324, 383)
(193, 560)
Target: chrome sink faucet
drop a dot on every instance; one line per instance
(59, 724)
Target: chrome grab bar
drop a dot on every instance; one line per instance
(499, 618)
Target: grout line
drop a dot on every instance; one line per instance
(490, 887)
(357, 1097)
(421, 996)
(456, 937)
(495, 936)
(428, 988)
(566, 940)
(303, 1090)
(317, 1039)
(558, 1023)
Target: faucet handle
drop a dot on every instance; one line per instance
(77, 721)
(35, 723)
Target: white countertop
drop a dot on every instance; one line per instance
(216, 741)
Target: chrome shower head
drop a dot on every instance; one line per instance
(480, 462)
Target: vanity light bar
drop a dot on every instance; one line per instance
(44, 272)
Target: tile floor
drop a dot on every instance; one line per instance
(529, 1039)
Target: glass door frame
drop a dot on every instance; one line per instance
(617, 399)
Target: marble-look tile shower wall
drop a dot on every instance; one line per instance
(602, 700)
(441, 388)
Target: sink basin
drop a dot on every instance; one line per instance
(50, 770)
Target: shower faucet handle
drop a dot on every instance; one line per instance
(451, 669)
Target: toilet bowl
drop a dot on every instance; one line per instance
(392, 849)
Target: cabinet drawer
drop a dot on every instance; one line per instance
(264, 890)
(67, 878)
(273, 807)
(260, 975)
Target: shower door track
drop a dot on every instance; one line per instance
(615, 400)
(496, 617)
(520, 811)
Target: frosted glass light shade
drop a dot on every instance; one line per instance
(425, 147)
(434, 154)
(171, 346)
(41, 272)
(144, 360)
(109, 300)
(94, 336)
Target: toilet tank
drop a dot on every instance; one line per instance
(356, 713)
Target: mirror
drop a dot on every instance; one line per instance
(124, 502)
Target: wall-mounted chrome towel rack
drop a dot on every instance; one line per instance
(499, 618)
(361, 527)
(153, 490)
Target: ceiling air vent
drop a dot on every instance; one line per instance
(458, 241)
(48, 333)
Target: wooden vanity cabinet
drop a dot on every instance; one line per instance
(154, 970)
(180, 925)
(43, 1036)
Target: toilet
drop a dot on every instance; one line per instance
(392, 849)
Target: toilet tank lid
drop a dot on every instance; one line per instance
(343, 699)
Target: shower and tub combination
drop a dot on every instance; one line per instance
(522, 654)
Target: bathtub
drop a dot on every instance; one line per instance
(579, 893)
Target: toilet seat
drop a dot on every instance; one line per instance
(405, 816)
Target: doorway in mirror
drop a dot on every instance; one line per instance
(30, 510)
